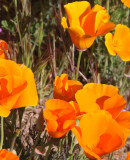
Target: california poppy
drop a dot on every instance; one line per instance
(3, 45)
(95, 96)
(17, 87)
(126, 2)
(60, 117)
(103, 105)
(128, 157)
(65, 89)
(99, 134)
(7, 155)
(119, 42)
(86, 23)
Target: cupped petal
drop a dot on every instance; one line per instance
(109, 44)
(55, 104)
(52, 125)
(88, 97)
(97, 8)
(101, 18)
(29, 96)
(88, 152)
(57, 134)
(114, 134)
(4, 111)
(49, 115)
(121, 42)
(124, 119)
(120, 31)
(80, 40)
(69, 124)
(91, 132)
(76, 10)
(105, 28)
(114, 105)
(88, 24)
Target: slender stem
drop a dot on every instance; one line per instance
(129, 18)
(78, 64)
(123, 85)
(2, 133)
(107, 5)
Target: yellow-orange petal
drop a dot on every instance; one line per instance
(80, 40)
(29, 96)
(4, 111)
(91, 132)
(124, 119)
(57, 104)
(97, 8)
(128, 156)
(75, 11)
(109, 44)
(122, 44)
(69, 124)
(49, 115)
(114, 105)
(105, 28)
(88, 152)
(100, 19)
(126, 2)
(7, 155)
(64, 22)
(91, 92)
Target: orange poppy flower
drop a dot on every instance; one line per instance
(4, 45)
(65, 89)
(17, 87)
(7, 155)
(119, 43)
(86, 23)
(104, 103)
(95, 96)
(126, 2)
(128, 157)
(99, 134)
(60, 117)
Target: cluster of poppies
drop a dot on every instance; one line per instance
(102, 128)
(93, 112)
(87, 24)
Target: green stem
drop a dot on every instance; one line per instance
(2, 132)
(123, 85)
(107, 5)
(129, 18)
(78, 64)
